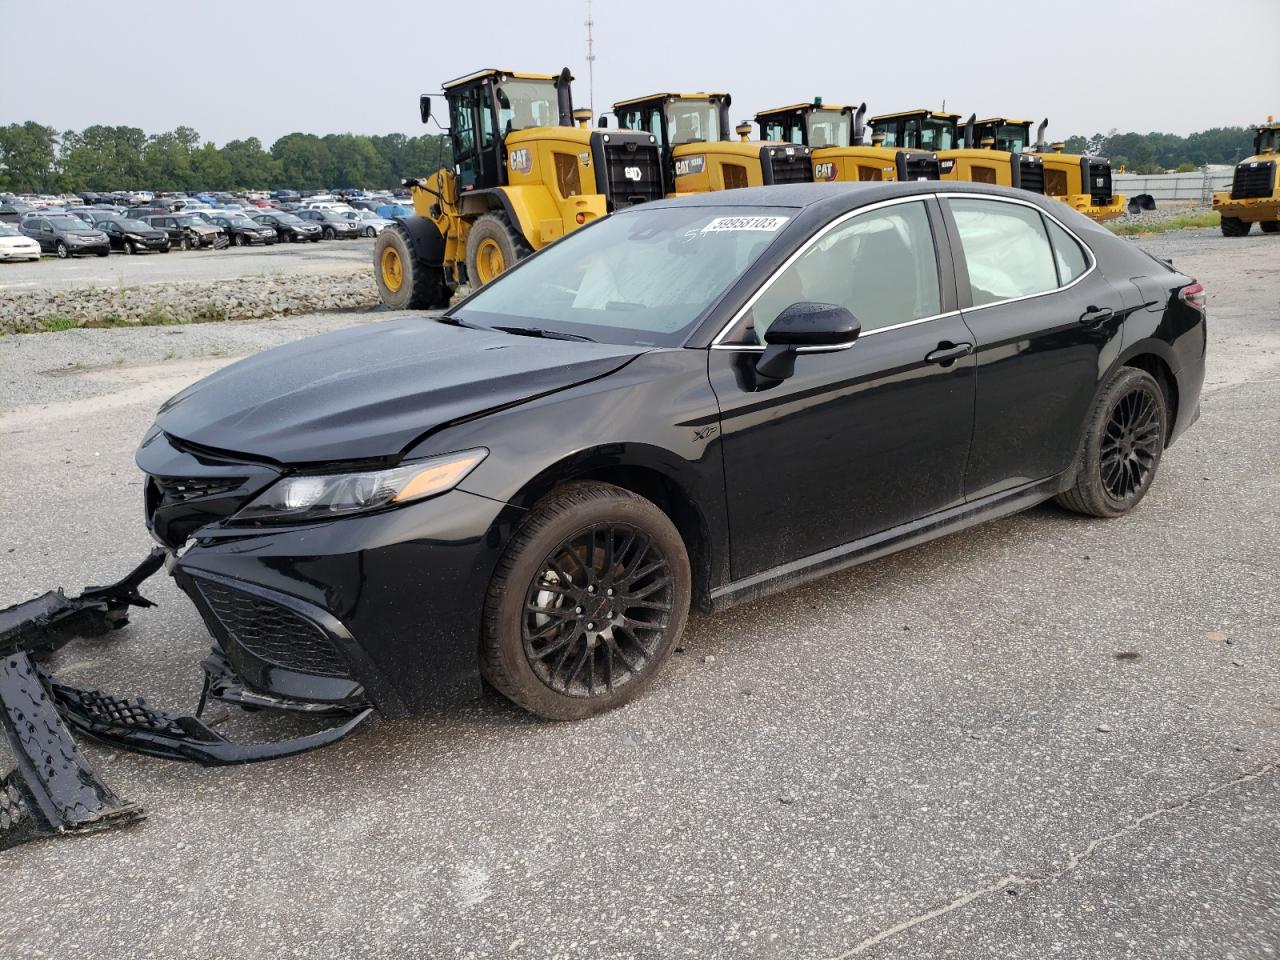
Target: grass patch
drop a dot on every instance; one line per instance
(58, 321)
(1189, 221)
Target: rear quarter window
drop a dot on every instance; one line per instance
(1071, 260)
(1006, 250)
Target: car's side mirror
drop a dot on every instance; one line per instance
(804, 324)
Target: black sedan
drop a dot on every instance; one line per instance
(692, 402)
(288, 228)
(240, 229)
(332, 224)
(65, 235)
(187, 231)
(134, 236)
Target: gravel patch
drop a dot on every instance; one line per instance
(1163, 213)
(239, 298)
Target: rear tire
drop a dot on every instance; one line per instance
(1270, 226)
(567, 642)
(493, 247)
(1234, 227)
(1122, 446)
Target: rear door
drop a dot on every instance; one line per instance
(859, 439)
(1046, 327)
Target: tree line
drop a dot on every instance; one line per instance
(38, 159)
(1161, 152)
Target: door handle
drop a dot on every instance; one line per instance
(948, 353)
(1095, 316)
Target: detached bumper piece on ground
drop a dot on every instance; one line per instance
(52, 789)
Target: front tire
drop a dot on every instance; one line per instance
(62, 250)
(1122, 446)
(238, 240)
(1270, 226)
(404, 280)
(185, 244)
(330, 233)
(589, 599)
(493, 247)
(1234, 227)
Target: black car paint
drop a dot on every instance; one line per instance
(238, 233)
(286, 230)
(123, 238)
(861, 452)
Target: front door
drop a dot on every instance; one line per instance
(860, 439)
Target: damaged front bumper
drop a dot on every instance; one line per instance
(52, 789)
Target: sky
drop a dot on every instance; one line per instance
(240, 68)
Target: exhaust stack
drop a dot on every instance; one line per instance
(564, 97)
(859, 126)
(968, 131)
(1040, 135)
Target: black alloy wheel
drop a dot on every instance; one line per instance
(1122, 447)
(589, 599)
(595, 615)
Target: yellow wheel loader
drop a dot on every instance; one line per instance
(697, 154)
(1254, 196)
(1082, 183)
(527, 169)
(835, 135)
(960, 156)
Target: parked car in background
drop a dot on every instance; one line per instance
(367, 222)
(134, 236)
(333, 225)
(288, 227)
(187, 231)
(65, 235)
(12, 211)
(240, 229)
(14, 245)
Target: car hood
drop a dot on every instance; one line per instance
(370, 392)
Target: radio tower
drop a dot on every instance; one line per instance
(591, 63)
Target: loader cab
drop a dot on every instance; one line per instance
(1011, 136)
(488, 105)
(919, 130)
(677, 120)
(815, 125)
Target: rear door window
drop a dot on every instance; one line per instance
(1006, 250)
(1067, 254)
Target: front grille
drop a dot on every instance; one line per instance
(922, 168)
(1256, 179)
(1030, 174)
(783, 168)
(633, 173)
(270, 632)
(1099, 185)
(175, 490)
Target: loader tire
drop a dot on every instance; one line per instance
(405, 281)
(1234, 227)
(1270, 226)
(493, 246)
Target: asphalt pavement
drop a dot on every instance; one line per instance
(1048, 736)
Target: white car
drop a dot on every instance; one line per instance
(17, 246)
(368, 222)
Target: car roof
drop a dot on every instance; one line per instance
(838, 197)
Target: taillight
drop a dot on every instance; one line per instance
(1192, 295)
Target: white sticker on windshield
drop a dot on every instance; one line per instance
(769, 224)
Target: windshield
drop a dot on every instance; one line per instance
(135, 225)
(692, 121)
(71, 224)
(828, 128)
(938, 135)
(8, 231)
(190, 221)
(642, 277)
(1010, 137)
(286, 218)
(526, 103)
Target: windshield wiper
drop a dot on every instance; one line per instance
(548, 334)
(455, 322)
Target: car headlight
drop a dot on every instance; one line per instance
(317, 497)
(134, 236)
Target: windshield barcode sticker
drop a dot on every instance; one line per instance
(745, 223)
